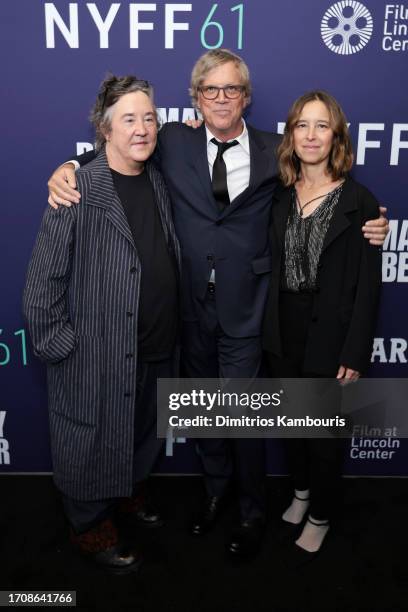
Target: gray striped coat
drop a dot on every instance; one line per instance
(81, 303)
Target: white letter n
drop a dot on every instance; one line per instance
(52, 18)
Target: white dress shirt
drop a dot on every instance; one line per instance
(237, 162)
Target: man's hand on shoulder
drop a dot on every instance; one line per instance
(62, 187)
(376, 230)
(193, 123)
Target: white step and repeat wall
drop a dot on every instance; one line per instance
(55, 54)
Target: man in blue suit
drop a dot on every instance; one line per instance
(221, 181)
(221, 178)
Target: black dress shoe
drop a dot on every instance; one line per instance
(100, 546)
(139, 511)
(207, 516)
(116, 560)
(246, 540)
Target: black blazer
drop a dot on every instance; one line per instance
(346, 300)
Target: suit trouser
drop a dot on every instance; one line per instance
(207, 352)
(83, 515)
(314, 463)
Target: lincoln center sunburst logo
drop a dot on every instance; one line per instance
(346, 27)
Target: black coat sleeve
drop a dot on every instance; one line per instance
(45, 296)
(357, 347)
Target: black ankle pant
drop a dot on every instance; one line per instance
(314, 463)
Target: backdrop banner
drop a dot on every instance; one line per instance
(55, 54)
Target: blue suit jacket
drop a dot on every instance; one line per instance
(236, 238)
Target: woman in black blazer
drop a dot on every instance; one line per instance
(322, 306)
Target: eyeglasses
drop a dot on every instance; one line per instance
(211, 92)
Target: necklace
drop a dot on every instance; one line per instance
(301, 208)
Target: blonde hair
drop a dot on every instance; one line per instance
(212, 59)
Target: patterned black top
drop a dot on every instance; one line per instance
(304, 241)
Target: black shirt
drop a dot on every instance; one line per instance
(158, 300)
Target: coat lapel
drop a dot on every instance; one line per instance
(160, 198)
(340, 221)
(163, 204)
(103, 195)
(117, 217)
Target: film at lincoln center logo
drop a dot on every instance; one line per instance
(346, 27)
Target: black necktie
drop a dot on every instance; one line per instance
(219, 176)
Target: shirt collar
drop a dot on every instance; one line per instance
(242, 139)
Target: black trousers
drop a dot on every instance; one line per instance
(314, 463)
(207, 352)
(83, 515)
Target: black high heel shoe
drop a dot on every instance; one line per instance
(289, 532)
(298, 557)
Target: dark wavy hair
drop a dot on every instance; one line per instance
(341, 154)
(111, 89)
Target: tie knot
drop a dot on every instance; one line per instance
(223, 146)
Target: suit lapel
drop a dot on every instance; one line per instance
(259, 164)
(260, 159)
(200, 162)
